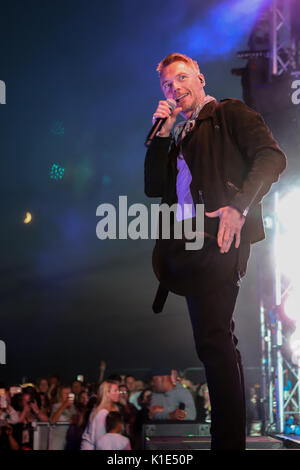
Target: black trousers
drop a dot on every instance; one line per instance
(211, 313)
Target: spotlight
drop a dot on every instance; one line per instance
(268, 222)
(28, 218)
(288, 236)
(56, 172)
(292, 305)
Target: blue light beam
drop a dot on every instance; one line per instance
(220, 30)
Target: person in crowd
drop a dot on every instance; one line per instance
(186, 383)
(134, 396)
(115, 378)
(145, 399)
(130, 384)
(133, 388)
(8, 416)
(169, 401)
(76, 388)
(140, 385)
(62, 412)
(64, 408)
(42, 385)
(30, 409)
(83, 398)
(102, 369)
(127, 410)
(142, 417)
(7, 439)
(26, 405)
(54, 384)
(42, 388)
(254, 410)
(108, 397)
(113, 439)
(78, 422)
(123, 379)
(202, 402)
(7, 413)
(175, 377)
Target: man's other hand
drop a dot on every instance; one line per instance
(231, 223)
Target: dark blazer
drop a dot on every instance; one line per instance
(233, 159)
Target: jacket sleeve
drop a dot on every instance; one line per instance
(155, 167)
(262, 154)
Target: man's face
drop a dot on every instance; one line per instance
(65, 393)
(123, 392)
(180, 80)
(147, 397)
(25, 398)
(130, 382)
(53, 381)
(84, 398)
(158, 383)
(76, 387)
(43, 386)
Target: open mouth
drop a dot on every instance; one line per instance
(181, 97)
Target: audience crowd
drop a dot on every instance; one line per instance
(107, 415)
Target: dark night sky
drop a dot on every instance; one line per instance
(68, 299)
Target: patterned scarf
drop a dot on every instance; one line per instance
(184, 127)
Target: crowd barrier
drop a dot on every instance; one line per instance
(47, 436)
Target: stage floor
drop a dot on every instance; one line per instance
(291, 441)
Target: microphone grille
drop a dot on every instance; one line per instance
(172, 104)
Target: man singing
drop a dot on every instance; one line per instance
(223, 156)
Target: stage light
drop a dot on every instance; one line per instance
(28, 218)
(287, 243)
(295, 346)
(220, 29)
(56, 172)
(288, 209)
(292, 305)
(268, 222)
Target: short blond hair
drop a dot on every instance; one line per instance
(177, 57)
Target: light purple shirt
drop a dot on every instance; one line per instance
(186, 208)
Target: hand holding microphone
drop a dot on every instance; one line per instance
(163, 119)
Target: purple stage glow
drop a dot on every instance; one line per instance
(221, 28)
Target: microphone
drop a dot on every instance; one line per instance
(159, 123)
(181, 406)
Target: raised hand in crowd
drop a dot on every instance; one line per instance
(102, 371)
